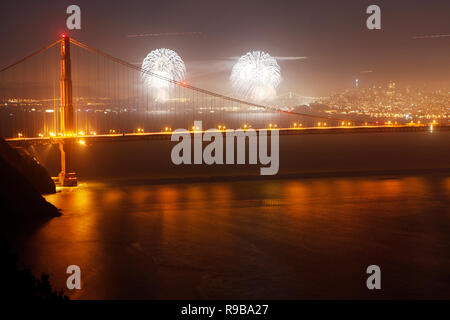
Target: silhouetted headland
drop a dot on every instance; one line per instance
(21, 203)
(28, 166)
(22, 180)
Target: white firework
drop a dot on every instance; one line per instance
(166, 64)
(256, 75)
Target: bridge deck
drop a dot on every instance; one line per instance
(123, 137)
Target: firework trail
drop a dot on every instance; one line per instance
(163, 34)
(432, 36)
(256, 75)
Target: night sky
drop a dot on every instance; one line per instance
(329, 39)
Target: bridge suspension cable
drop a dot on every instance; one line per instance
(30, 55)
(207, 92)
(178, 83)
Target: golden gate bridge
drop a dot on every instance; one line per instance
(69, 92)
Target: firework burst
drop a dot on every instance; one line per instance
(256, 75)
(166, 64)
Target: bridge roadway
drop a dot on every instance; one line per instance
(124, 137)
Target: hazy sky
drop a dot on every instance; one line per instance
(332, 35)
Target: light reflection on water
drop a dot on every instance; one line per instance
(309, 238)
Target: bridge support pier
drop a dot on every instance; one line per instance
(67, 176)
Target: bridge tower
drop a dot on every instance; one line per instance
(67, 176)
(67, 123)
